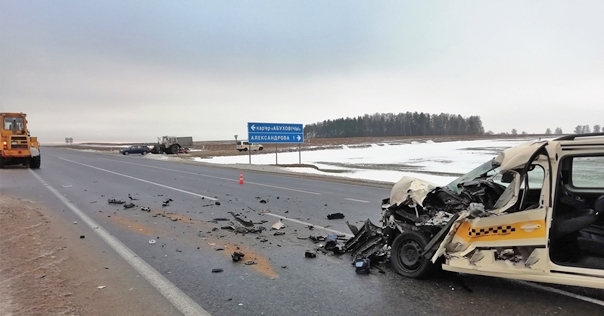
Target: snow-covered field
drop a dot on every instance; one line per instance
(436, 162)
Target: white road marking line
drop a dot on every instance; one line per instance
(179, 299)
(142, 180)
(355, 200)
(545, 288)
(214, 177)
(309, 224)
(562, 292)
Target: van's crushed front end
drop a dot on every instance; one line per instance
(423, 222)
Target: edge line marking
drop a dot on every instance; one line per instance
(177, 297)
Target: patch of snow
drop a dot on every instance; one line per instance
(159, 157)
(91, 150)
(103, 146)
(386, 163)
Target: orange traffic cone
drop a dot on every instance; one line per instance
(240, 177)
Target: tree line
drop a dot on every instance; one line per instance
(401, 124)
(579, 129)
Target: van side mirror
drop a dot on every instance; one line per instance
(507, 177)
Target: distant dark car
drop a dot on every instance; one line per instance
(139, 149)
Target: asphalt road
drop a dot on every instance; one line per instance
(283, 282)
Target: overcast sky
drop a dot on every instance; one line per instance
(120, 70)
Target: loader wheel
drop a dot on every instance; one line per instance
(406, 256)
(174, 149)
(35, 162)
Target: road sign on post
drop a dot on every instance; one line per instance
(275, 133)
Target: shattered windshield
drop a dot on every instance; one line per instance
(487, 168)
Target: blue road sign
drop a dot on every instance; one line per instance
(275, 133)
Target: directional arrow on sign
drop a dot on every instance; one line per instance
(253, 127)
(298, 138)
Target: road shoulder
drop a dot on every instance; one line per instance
(46, 267)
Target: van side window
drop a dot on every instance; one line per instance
(588, 172)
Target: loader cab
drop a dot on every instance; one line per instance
(14, 124)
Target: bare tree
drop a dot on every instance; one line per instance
(578, 129)
(597, 128)
(514, 131)
(548, 131)
(558, 131)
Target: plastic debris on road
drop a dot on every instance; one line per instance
(152, 241)
(362, 266)
(335, 216)
(278, 225)
(237, 256)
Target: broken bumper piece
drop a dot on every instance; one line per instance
(368, 241)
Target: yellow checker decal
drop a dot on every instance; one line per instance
(495, 230)
(520, 230)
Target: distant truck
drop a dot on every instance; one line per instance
(17, 145)
(172, 145)
(243, 145)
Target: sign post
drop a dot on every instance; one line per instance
(277, 133)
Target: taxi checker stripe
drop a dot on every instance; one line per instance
(472, 232)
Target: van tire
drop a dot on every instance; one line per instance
(407, 258)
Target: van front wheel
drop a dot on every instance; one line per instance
(407, 256)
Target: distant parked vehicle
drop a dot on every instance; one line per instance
(172, 145)
(245, 146)
(137, 149)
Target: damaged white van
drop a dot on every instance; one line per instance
(535, 212)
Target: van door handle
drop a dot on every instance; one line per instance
(530, 227)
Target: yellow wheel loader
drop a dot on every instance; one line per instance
(17, 146)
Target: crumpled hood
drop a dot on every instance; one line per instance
(409, 189)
